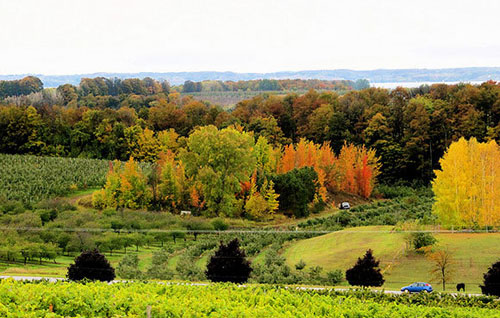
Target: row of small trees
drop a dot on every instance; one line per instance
(229, 264)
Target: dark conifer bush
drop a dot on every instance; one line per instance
(365, 272)
(91, 265)
(492, 280)
(229, 264)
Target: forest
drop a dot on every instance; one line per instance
(409, 129)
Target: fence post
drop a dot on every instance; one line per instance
(148, 311)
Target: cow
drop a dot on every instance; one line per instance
(460, 286)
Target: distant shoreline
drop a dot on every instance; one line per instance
(392, 85)
(379, 78)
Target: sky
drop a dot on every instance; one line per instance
(73, 36)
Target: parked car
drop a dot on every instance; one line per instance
(417, 288)
(344, 206)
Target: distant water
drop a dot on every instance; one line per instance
(417, 84)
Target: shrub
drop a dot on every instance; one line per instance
(315, 275)
(300, 265)
(229, 264)
(86, 201)
(91, 265)
(47, 215)
(422, 239)
(57, 204)
(188, 270)
(11, 207)
(158, 268)
(128, 267)
(365, 272)
(219, 225)
(491, 282)
(334, 277)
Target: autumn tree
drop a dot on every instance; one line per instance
(173, 191)
(262, 204)
(126, 187)
(443, 264)
(467, 188)
(220, 160)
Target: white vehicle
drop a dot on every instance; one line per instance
(344, 206)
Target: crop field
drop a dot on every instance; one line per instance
(228, 99)
(30, 178)
(66, 299)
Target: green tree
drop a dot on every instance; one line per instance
(297, 188)
(220, 160)
(128, 267)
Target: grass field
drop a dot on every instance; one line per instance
(473, 254)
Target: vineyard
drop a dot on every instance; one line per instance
(231, 98)
(65, 299)
(30, 179)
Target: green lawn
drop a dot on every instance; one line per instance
(473, 254)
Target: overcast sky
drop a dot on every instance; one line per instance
(66, 37)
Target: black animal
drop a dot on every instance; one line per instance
(460, 286)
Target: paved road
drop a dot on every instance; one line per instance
(55, 279)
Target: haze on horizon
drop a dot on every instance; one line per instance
(76, 37)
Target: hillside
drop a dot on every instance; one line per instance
(473, 253)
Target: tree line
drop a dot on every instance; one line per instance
(271, 85)
(24, 86)
(410, 129)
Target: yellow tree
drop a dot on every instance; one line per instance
(467, 188)
(126, 187)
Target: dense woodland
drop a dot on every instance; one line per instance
(271, 85)
(112, 119)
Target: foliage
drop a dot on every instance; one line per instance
(95, 299)
(128, 268)
(91, 265)
(219, 224)
(334, 277)
(125, 187)
(409, 129)
(467, 188)
(158, 268)
(220, 160)
(300, 265)
(297, 188)
(24, 86)
(491, 280)
(353, 171)
(422, 239)
(365, 272)
(229, 264)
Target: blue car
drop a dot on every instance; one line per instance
(417, 288)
